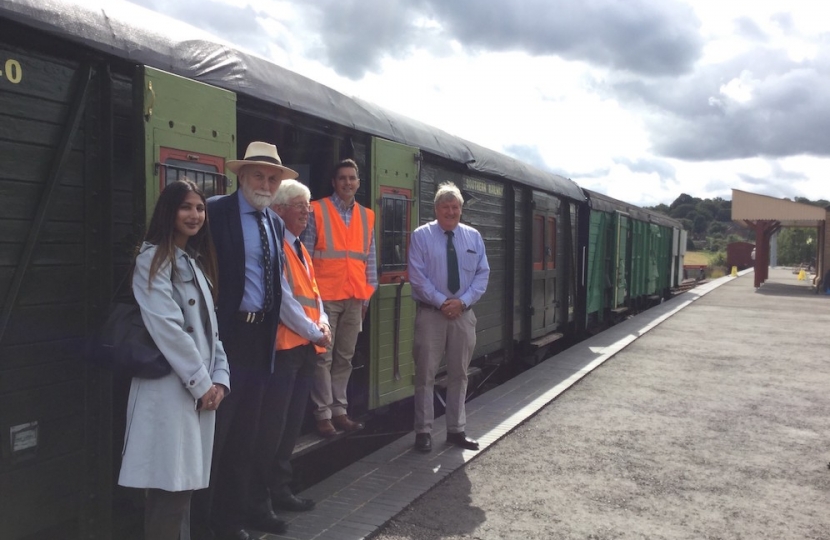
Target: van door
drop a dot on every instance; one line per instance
(622, 267)
(189, 132)
(544, 301)
(394, 173)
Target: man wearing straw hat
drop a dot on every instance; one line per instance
(249, 238)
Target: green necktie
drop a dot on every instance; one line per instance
(453, 282)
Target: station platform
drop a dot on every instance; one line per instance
(707, 416)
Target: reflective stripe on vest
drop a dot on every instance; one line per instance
(330, 252)
(341, 253)
(304, 288)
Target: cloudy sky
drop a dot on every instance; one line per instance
(640, 99)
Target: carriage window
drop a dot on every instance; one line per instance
(205, 170)
(550, 247)
(394, 233)
(538, 241)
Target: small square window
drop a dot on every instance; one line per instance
(204, 170)
(394, 233)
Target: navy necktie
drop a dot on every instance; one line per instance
(299, 250)
(266, 263)
(453, 281)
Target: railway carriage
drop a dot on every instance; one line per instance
(101, 107)
(634, 257)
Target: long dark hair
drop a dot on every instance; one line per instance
(163, 227)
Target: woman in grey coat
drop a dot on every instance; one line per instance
(168, 442)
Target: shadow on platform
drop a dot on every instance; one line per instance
(775, 288)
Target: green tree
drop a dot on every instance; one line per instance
(683, 211)
(716, 228)
(796, 245)
(681, 200)
(662, 208)
(701, 223)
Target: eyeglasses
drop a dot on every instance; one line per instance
(300, 206)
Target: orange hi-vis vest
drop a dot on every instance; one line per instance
(305, 291)
(341, 253)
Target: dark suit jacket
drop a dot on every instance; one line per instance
(226, 229)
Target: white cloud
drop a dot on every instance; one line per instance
(719, 95)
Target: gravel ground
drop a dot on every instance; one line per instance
(713, 439)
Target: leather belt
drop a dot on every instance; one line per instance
(251, 317)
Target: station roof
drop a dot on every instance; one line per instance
(141, 36)
(754, 207)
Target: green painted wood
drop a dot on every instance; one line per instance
(597, 268)
(622, 260)
(393, 165)
(184, 114)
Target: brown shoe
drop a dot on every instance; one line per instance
(325, 428)
(344, 423)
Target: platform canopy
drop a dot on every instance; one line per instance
(753, 207)
(767, 215)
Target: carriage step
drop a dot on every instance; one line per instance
(546, 340)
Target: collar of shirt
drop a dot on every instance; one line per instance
(341, 205)
(438, 232)
(289, 237)
(254, 290)
(244, 206)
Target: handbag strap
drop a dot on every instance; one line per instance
(120, 293)
(126, 296)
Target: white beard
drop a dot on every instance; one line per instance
(258, 200)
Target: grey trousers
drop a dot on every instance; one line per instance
(437, 338)
(334, 367)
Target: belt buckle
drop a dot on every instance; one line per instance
(252, 317)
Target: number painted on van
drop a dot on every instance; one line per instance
(12, 71)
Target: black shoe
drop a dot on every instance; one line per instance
(240, 534)
(460, 439)
(423, 442)
(269, 523)
(292, 503)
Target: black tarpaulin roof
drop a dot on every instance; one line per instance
(604, 203)
(144, 37)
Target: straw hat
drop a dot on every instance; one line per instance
(261, 153)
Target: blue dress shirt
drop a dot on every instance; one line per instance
(428, 264)
(253, 299)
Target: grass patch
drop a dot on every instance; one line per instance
(717, 273)
(697, 258)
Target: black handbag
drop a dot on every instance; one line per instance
(124, 345)
(131, 351)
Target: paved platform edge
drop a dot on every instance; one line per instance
(357, 501)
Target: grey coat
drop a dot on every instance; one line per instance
(168, 444)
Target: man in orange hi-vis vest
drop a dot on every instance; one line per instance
(302, 334)
(342, 244)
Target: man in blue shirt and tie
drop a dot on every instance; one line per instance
(248, 236)
(448, 270)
